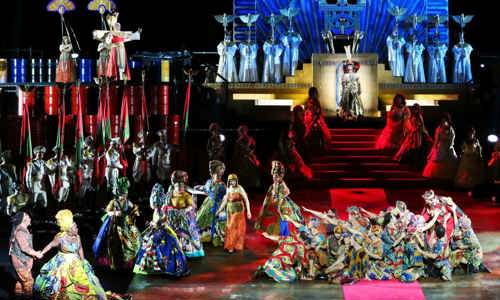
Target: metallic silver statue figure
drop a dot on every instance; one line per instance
(161, 156)
(141, 171)
(351, 103)
(248, 53)
(36, 172)
(87, 168)
(65, 167)
(291, 42)
(113, 165)
(227, 52)
(272, 54)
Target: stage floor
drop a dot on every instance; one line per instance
(220, 275)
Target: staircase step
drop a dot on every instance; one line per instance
(356, 165)
(354, 137)
(382, 174)
(336, 144)
(355, 131)
(352, 158)
(354, 151)
(369, 182)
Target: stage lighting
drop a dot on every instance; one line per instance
(482, 66)
(492, 138)
(222, 138)
(74, 55)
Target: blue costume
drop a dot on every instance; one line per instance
(272, 63)
(437, 66)
(462, 68)
(291, 42)
(395, 46)
(414, 72)
(248, 62)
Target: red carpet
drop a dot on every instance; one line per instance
(383, 290)
(373, 200)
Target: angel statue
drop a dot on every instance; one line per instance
(272, 51)
(396, 43)
(248, 52)
(227, 52)
(291, 41)
(461, 53)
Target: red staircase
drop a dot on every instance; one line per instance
(351, 160)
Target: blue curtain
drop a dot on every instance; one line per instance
(375, 21)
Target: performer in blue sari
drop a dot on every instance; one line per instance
(213, 226)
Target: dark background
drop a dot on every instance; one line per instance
(178, 25)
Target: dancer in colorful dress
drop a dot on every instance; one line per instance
(466, 251)
(161, 251)
(119, 239)
(278, 208)
(68, 275)
(21, 254)
(437, 254)
(442, 160)
(471, 169)
(289, 261)
(213, 225)
(182, 214)
(392, 136)
(237, 209)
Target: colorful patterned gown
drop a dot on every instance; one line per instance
(181, 216)
(236, 219)
(212, 226)
(393, 256)
(119, 239)
(275, 208)
(413, 262)
(466, 251)
(161, 252)
(288, 261)
(67, 276)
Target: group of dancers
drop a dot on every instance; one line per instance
(406, 136)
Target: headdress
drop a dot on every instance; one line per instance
(64, 219)
(214, 165)
(349, 62)
(179, 176)
(39, 149)
(277, 168)
(232, 177)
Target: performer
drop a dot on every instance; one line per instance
(395, 45)
(16, 201)
(414, 72)
(416, 141)
(291, 42)
(65, 71)
(393, 133)
(35, 174)
(291, 156)
(162, 156)
(494, 164)
(298, 126)
(436, 251)
(437, 67)
(314, 120)
(117, 67)
(227, 52)
(21, 254)
(466, 250)
(462, 72)
(118, 240)
(237, 208)
(278, 208)
(248, 53)
(471, 169)
(65, 166)
(104, 49)
(272, 52)
(68, 275)
(227, 60)
(289, 261)
(161, 251)
(8, 178)
(215, 145)
(141, 171)
(182, 214)
(442, 160)
(87, 168)
(350, 103)
(245, 161)
(113, 165)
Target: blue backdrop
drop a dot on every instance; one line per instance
(375, 21)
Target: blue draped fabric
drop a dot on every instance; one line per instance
(375, 21)
(101, 235)
(215, 192)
